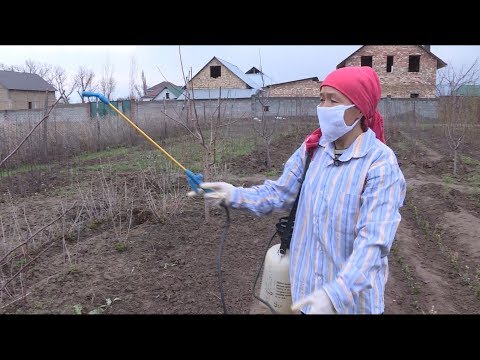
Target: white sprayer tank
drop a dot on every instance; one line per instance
(275, 287)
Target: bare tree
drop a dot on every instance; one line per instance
(144, 84)
(45, 71)
(265, 125)
(6, 67)
(84, 81)
(107, 82)
(135, 92)
(457, 112)
(62, 83)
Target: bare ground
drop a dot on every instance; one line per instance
(169, 266)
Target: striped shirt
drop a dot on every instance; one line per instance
(345, 222)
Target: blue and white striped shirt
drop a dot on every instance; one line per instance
(345, 223)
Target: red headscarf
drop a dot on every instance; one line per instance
(362, 86)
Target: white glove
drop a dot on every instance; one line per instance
(221, 191)
(319, 301)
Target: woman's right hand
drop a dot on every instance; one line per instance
(220, 191)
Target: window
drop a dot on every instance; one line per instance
(389, 64)
(414, 63)
(215, 71)
(30, 105)
(167, 95)
(366, 61)
(266, 108)
(414, 95)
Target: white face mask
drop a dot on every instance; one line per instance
(332, 123)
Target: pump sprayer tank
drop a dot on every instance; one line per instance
(275, 286)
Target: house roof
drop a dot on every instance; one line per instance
(153, 91)
(286, 82)
(212, 94)
(252, 80)
(248, 79)
(440, 62)
(468, 90)
(13, 80)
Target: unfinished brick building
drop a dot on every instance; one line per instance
(405, 71)
(309, 87)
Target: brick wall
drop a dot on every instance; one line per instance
(400, 83)
(19, 99)
(5, 102)
(300, 88)
(227, 79)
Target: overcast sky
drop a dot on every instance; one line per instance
(281, 63)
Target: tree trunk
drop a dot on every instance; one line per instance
(206, 177)
(455, 157)
(45, 127)
(267, 155)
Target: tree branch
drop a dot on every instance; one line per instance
(35, 234)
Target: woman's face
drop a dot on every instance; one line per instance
(332, 97)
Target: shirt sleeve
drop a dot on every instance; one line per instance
(377, 224)
(273, 195)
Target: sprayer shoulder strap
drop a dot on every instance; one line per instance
(291, 217)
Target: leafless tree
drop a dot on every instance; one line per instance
(457, 112)
(135, 89)
(205, 129)
(144, 84)
(107, 82)
(6, 67)
(45, 71)
(84, 81)
(265, 125)
(62, 83)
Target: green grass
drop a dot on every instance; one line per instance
(109, 152)
(448, 179)
(24, 169)
(467, 160)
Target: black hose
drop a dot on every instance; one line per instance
(219, 263)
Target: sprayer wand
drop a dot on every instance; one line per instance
(194, 180)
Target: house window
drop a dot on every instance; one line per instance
(414, 63)
(389, 64)
(414, 95)
(266, 108)
(167, 96)
(30, 105)
(215, 71)
(366, 61)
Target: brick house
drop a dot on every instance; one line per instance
(405, 71)
(163, 91)
(22, 91)
(309, 87)
(221, 78)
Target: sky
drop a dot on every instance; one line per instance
(162, 62)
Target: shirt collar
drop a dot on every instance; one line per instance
(359, 148)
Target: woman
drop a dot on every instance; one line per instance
(348, 211)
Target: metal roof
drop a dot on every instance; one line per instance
(257, 78)
(13, 80)
(212, 94)
(244, 77)
(153, 91)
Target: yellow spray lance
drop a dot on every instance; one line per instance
(194, 180)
